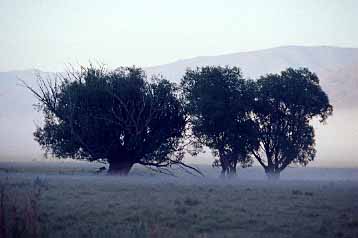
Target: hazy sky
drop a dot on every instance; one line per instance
(46, 34)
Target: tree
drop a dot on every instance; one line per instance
(284, 106)
(112, 116)
(219, 109)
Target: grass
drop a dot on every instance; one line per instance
(19, 210)
(78, 205)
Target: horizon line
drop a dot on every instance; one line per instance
(201, 56)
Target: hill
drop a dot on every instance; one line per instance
(337, 68)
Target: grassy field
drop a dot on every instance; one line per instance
(72, 202)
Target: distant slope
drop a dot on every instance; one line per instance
(256, 63)
(336, 67)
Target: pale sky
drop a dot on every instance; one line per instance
(47, 34)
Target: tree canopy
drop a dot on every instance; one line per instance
(284, 104)
(122, 118)
(218, 102)
(113, 116)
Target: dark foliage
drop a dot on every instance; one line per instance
(117, 117)
(219, 105)
(121, 118)
(284, 105)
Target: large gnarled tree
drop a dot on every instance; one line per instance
(284, 106)
(219, 107)
(113, 116)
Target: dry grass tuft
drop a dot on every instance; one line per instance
(19, 219)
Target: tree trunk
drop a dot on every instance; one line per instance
(232, 169)
(224, 167)
(272, 174)
(223, 172)
(121, 168)
(228, 169)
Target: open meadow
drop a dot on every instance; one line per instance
(179, 119)
(71, 200)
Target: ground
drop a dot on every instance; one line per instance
(73, 202)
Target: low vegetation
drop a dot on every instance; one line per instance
(157, 207)
(19, 208)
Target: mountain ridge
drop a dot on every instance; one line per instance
(337, 68)
(315, 57)
(254, 51)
